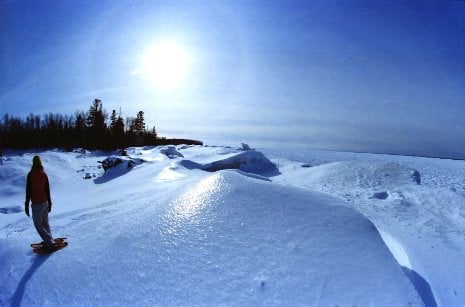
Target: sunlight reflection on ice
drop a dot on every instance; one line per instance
(396, 249)
(168, 174)
(191, 204)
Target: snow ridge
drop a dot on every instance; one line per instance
(249, 161)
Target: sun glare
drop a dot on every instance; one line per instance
(165, 65)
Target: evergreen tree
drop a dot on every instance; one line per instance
(130, 125)
(80, 122)
(112, 121)
(96, 117)
(154, 132)
(139, 124)
(118, 128)
(84, 129)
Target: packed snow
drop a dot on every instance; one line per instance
(193, 225)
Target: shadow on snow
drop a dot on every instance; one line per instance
(422, 286)
(19, 293)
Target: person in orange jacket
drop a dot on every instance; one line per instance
(38, 191)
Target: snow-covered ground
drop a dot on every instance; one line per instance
(196, 225)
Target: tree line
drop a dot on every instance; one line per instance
(94, 129)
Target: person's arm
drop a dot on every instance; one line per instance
(28, 194)
(47, 190)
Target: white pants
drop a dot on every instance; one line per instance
(40, 218)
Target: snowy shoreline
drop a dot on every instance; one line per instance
(194, 225)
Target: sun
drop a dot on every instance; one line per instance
(165, 64)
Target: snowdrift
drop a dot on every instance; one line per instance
(171, 152)
(248, 161)
(350, 178)
(262, 244)
(422, 221)
(116, 166)
(353, 174)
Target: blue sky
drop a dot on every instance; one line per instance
(376, 76)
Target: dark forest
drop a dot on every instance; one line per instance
(94, 129)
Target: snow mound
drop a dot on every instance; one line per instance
(423, 220)
(117, 166)
(244, 241)
(245, 147)
(171, 152)
(13, 179)
(360, 175)
(81, 151)
(120, 162)
(250, 161)
(251, 175)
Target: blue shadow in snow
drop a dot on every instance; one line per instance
(19, 293)
(422, 286)
(10, 210)
(269, 171)
(107, 177)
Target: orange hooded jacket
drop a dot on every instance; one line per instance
(37, 187)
